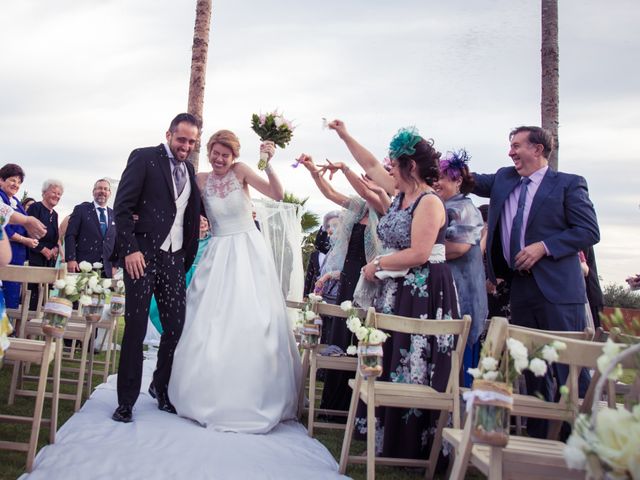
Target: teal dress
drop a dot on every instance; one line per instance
(154, 314)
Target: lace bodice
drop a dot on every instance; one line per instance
(227, 205)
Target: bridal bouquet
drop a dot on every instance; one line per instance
(271, 127)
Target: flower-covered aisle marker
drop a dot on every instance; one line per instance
(271, 127)
(72, 288)
(607, 443)
(96, 288)
(370, 341)
(491, 398)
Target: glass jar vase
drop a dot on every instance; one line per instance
(117, 304)
(55, 316)
(492, 402)
(311, 333)
(370, 359)
(93, 311)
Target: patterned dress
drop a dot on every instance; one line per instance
(426, 292)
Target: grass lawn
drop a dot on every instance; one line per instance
(12, 464)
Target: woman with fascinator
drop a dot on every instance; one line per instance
(463, 251)
(353, 244)
(413, 232)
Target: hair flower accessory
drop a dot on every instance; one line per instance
(404, 142)
(454, 163)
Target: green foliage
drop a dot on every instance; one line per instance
(280, 135)
(626, 331)
(616, 295)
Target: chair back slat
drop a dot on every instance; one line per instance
(27, 274)
(418, 326)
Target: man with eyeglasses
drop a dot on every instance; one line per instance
(91, 233)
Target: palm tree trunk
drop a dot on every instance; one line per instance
(550, 101)
(199, 52)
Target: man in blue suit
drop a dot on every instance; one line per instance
(91, 234)
(538, 221)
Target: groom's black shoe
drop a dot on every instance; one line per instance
(163, 399)
(124, 414)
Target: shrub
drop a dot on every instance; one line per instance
(616, 295)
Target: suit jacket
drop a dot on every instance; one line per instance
(561, 215)
(83, 240)
(146, 190)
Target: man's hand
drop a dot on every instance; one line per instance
(134, 264)
(35, 228)
(46, 253)
(72, 266)
(529, 256)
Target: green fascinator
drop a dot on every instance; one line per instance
(404, 142)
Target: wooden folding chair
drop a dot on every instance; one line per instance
(526, 457)
(376, 393)
(312, 360)
(523, 458)
(38, 352)
(30, 326)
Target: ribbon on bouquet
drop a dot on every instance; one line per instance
(485, 396)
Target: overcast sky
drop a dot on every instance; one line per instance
(83, 83)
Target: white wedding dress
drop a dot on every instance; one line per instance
(236, 367)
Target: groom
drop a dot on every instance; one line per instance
(157, 215)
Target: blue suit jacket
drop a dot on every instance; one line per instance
(83, 240)
(561, 215)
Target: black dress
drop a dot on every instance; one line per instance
(336, 394)
(36, 259)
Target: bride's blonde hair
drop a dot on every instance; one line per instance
(226, 138)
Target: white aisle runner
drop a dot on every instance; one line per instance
(158, 445)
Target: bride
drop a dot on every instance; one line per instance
(236, 367)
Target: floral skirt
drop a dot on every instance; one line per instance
(426, 292)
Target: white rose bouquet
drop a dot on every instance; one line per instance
(607, 443)
(271, 127)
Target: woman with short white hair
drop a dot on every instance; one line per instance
(45, 253)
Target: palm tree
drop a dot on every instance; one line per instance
(549, 104)
(199, 52)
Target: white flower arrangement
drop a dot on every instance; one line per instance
(489, 368)
(362, 332)
(306, 313)
(607, 443)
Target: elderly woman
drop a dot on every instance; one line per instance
(321, 246)
(11, 178)
(463, 250)
(413, 231)
(45, 253)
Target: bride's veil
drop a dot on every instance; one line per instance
(281, 229)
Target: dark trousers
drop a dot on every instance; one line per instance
(165, 278)
(529, 308)
(37, 261)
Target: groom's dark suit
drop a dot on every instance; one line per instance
(147, 192)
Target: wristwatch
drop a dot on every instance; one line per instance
(376, 262)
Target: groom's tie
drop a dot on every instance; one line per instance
(179, 176)
(516, 226)
(103, 221)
